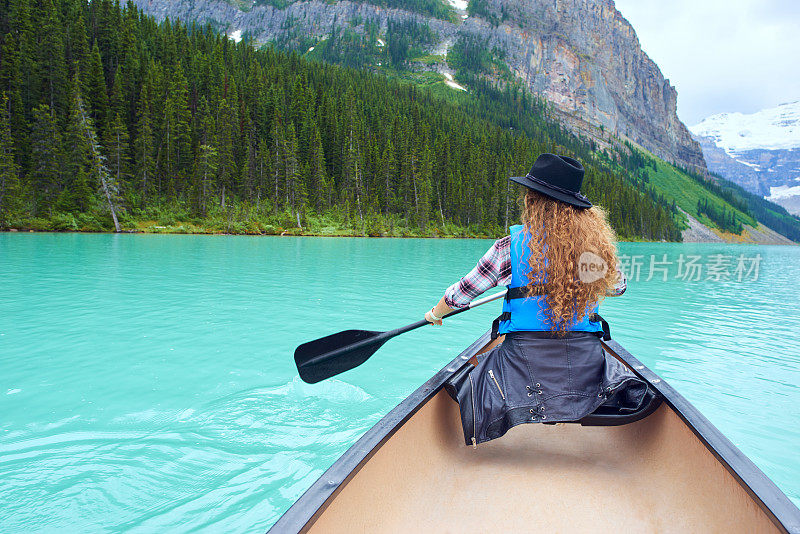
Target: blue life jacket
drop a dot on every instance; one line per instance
(527, 314)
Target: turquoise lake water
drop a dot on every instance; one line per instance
(147, 381)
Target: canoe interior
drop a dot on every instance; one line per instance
(650, 476)
(654, 475)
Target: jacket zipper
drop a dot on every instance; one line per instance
(496, 383)
(474, 423)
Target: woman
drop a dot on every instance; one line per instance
(558, 265)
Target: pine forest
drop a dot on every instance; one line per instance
(111, 120)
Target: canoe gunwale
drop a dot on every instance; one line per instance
(304, 512)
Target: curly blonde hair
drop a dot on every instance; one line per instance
(560, 234)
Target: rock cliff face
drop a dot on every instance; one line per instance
(580, 55)
(720, 162)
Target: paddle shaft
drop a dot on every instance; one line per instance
(385, 336)
(423, 322)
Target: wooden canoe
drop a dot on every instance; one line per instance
(671, 471)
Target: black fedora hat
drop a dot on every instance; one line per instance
(558, 177)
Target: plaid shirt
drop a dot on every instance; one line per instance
(494, 269)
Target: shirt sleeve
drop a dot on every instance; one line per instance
(493, 269)
(622, 285)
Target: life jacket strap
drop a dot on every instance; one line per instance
(605, 335)
(505, 316)
(521, 292)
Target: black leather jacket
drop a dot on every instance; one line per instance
(536, 377)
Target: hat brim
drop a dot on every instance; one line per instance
(552, 193)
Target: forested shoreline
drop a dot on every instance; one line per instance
(181, 127)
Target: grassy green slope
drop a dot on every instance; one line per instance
(686, 191)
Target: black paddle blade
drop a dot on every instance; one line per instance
(330, 355)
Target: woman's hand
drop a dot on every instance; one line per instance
(438, 312)
(432, 319)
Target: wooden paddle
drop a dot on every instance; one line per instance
(330, 355)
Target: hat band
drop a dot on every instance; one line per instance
(556, 188)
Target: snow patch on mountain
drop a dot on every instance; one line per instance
(450, 82)
(768, 129)
(751, 165)
(460, 5)
(783, 191)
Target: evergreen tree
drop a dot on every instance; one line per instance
(206, 170)
(96, 90)
(21, 25)
(78, 194)
(130, 64)
(249, 164)
(388, 175)
(207, 155)
(320, 189)
(144, 144)
(9, 183)
(175, 137)
(11, 85)
(226, 135)
(351, 157)
(46, 160)
(117, 148)
(291, 170)
(423, 179)
(116, 100)
(78, 48)
(52, 61)
(264, 171)
(277, 156)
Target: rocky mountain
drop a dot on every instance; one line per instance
(580, 55)
(759, 151)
